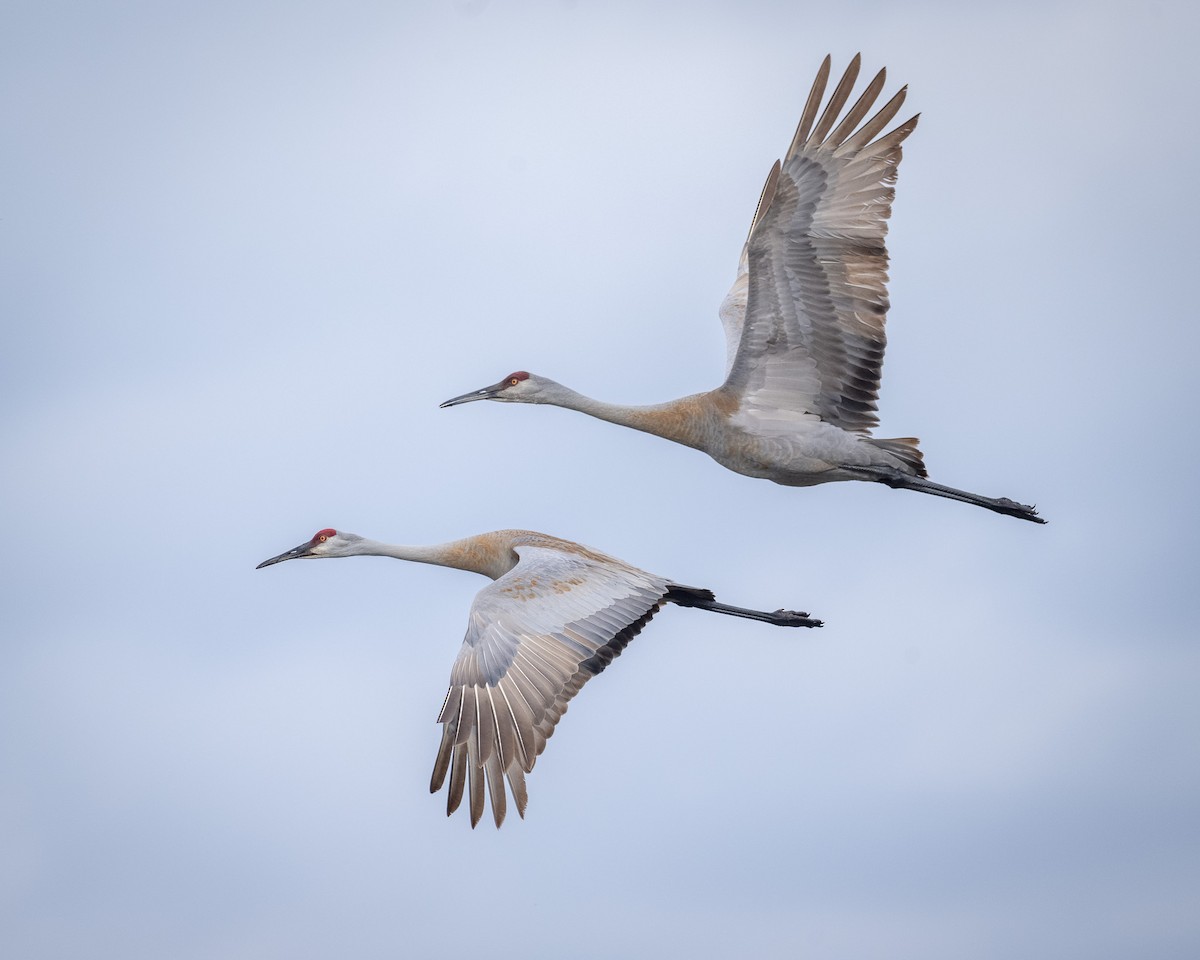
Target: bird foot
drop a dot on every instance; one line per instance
(796, 618)
(1020, 510)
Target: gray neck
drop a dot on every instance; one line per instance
(485, 554)
(440, 554)
(662, 420)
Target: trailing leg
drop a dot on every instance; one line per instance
(901, 481)
(704, 600)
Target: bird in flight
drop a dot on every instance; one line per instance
(556, 615)
(804, 320)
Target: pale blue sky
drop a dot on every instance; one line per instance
(245, 251)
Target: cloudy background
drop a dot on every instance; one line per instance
(245, 251)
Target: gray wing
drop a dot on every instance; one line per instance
(535, 637)
(808, 306)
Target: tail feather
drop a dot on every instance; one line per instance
(904, 449)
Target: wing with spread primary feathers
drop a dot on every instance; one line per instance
(807, 309)
(535, 637)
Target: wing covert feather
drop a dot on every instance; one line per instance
(535, 636)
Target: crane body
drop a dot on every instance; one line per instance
(804, 320)
(556, 614)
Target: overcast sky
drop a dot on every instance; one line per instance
(245, 251)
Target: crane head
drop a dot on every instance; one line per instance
(518, 387)
(325, 543)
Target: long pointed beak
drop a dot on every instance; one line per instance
(487, 393)
(296, 553)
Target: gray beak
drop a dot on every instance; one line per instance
(487, 393)
(296, 553)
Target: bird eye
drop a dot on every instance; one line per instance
(513, 382)
(323, 538)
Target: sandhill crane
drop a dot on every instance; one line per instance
(804, 321)
(556, 615)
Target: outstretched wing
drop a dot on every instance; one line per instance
(535, 637)
(808, 306)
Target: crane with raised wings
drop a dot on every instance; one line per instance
(804, 320)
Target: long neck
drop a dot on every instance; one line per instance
(685, 421)
(482, 554)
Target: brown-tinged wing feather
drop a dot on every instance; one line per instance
(811, 295)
